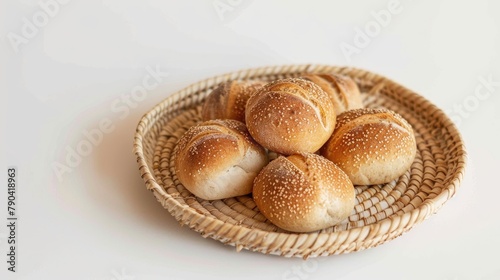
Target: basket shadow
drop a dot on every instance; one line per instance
(114, 161)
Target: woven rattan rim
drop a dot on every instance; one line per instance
(382, 212)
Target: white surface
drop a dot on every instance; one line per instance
(99, 222)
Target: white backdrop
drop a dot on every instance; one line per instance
(77, 76)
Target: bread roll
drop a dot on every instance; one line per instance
(290, 116)
(303, 192)
(228, 100)
(342, 90)
(218, 159)
(372, 146)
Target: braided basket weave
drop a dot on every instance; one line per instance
(382, 212)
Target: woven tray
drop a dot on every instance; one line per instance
(382, 212)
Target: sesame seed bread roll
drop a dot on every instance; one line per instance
(218, 159)
(341, 89)
(372, 146)
(289, 116)
(303, 193)
(228, 100)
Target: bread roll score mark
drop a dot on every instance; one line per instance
(307, 93)
(290, 115)
(372, 146)
(331, 88)
(303, 192)
(342, 90)
(218, 159)
(286, 188)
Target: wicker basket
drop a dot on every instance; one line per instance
(382, 212)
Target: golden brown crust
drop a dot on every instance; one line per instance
(218, 159)
(303, 192)
(228, 100)
(290, 116)
(373, 146)
(341, 89)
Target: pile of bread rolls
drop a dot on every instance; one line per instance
(299, 145)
